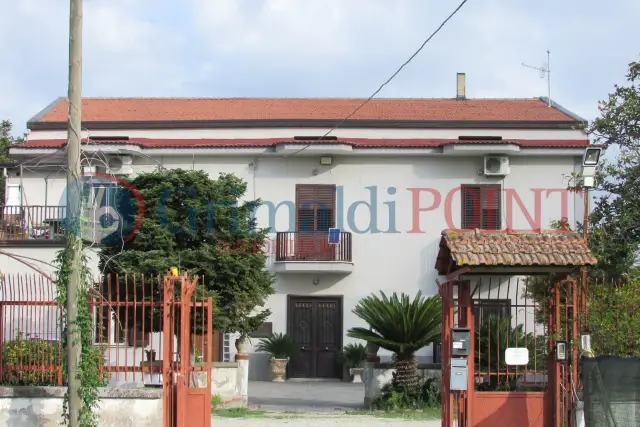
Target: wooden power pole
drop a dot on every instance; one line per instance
(74, 192)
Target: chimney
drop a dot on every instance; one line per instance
(461, 86)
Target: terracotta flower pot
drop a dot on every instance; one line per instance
(278, 369)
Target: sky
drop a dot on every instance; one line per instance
(316, 48)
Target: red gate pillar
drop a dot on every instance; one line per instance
(167, 353)
(469, 323)
(446, 292)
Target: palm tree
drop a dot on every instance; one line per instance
(401, 326)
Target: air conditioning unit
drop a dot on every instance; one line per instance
(120, 165)
(496, 165)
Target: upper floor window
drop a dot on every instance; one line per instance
(481, 206)
(315, 207)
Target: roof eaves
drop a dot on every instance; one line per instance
(565, 111)
(312, 123)
(44, 111)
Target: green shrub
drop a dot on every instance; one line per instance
(31, 362)
(613, 319)
(280, 346)
(353, 355)
(400, 398)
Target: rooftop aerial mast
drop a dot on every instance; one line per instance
(545, 70)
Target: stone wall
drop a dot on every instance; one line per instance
(42, 407)
(119, 407)
(376, 375)
(230, 382)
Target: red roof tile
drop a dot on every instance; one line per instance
(514, 248)
(356, 142)
(195, 109)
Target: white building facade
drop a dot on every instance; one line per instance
(390, 180)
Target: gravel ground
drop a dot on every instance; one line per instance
(342, 421)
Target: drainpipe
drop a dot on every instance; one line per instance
(46, 187)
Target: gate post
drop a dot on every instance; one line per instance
(167, 353)
(469, 322)
(446, 292)
(188, 287)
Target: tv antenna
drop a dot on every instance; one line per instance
(544, 71)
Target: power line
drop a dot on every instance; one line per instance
(389, 79)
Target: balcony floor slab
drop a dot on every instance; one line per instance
(313, 267)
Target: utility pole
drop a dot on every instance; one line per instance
(74, 240)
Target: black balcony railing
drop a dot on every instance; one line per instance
(19, 223)
(312, 246)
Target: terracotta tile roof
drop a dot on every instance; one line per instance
(269, 142)
(205, 109)
(515, 248)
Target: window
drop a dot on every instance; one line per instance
(481, 207)
(485, 309)
(315, 207)
(108, 329)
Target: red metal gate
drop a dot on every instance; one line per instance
(186, 372)
(507, 312)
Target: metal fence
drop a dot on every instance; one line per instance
(32, 222)
(128, 321)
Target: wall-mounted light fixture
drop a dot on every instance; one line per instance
(316, 280)
(589, 162)
(326, 161)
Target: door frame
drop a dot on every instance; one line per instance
(338, 298)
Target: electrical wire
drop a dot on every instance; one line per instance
(388, 80)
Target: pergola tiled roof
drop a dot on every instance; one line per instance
(512, 248)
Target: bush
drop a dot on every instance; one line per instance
(613, 319)
(280, 346)
(353, 355)
(30, 362)
(399, 398)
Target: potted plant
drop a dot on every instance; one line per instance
(243, 344)
(354, 355)
(281, 347)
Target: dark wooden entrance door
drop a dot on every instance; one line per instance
(315, 323)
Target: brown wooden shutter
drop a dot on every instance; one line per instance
(471, 212)
(491, 196)
(481, 207)
(315, 214)
(315, 207)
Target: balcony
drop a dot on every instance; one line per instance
(311, 252)
(32, 224)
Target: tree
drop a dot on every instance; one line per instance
(614, 224)
(200, 225)
(401, 326)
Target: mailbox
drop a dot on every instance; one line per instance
(461, 339)
(459, 375)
